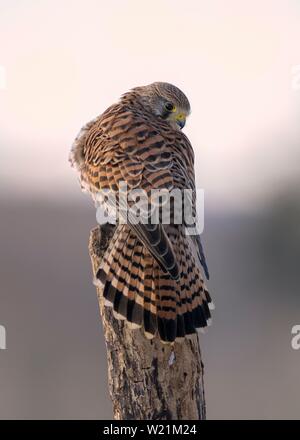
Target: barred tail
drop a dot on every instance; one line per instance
(140, 292)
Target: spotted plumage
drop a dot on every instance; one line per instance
(150, 274)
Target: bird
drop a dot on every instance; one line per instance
(151, 274)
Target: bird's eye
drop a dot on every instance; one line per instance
(169, 106)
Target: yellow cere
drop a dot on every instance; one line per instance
(180, 116)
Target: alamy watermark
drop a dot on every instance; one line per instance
(136, 206)
(295, 71)
(295, 342)
(2, 337)
(2, 78)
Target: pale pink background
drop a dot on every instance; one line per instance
(65, 62)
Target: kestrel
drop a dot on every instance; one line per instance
(151, 274)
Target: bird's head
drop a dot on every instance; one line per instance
(166, 101)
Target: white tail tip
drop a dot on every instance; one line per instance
(211, 306)
(108, 303)
(98, 283)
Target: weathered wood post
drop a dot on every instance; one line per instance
(147, 379)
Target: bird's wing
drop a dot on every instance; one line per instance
(201, 255)
(125, 146)
(184, 177)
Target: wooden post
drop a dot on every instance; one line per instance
(148, 380)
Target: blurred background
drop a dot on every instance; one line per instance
(64, 62)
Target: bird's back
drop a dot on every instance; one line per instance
(150, 273)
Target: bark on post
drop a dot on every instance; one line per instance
(147, 379)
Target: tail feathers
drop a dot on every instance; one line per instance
(134, 312)
(140, 292)
(157, 242)
(123, 258)
(150, 303)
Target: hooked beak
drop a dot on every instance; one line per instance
(181, 123)
(180, 120)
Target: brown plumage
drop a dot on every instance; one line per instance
(150, 274)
